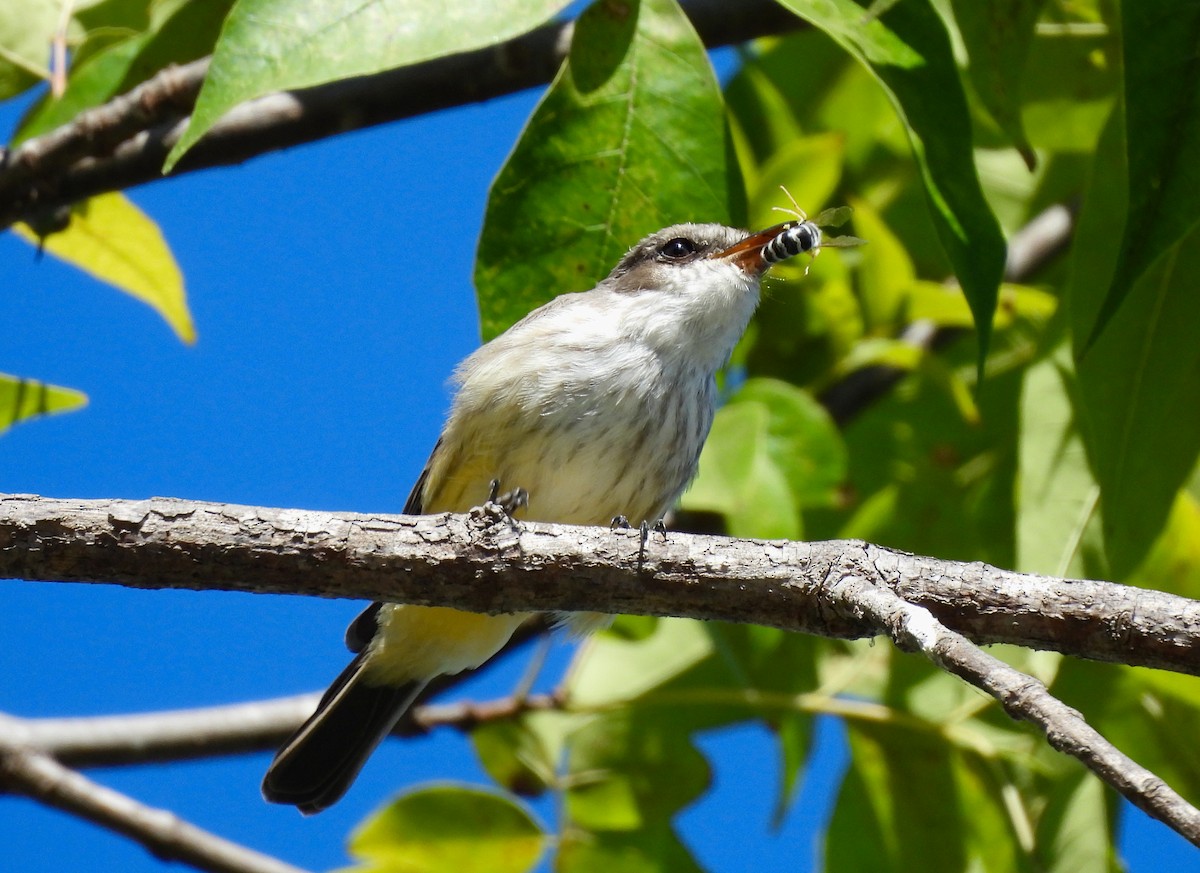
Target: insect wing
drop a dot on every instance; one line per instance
(834, 216)
(841, 242)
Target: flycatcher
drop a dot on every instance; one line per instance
(595, 405)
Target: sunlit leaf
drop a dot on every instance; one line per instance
(945, 306)
(276, 45)
(1173, 563)
(655, 848)
(26, 30)
(773, 450)
(740, 479)
(909, 52)
(801, 439)
(1162, 140)
(91, 84)
(630, 768)
(807, 168)
(998, 37)
(116, 242)
(610, 669)
(762, 121)
(185, 35)
(908, 795)
(1139, 404)
(1069, 88)
(23, 399)
(1058, 494)
(886, 277)
(630, 138)
(1073, 830)
(449, 827)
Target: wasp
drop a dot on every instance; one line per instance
(804, 234)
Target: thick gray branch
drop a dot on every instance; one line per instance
(124, 143)
(482, 562)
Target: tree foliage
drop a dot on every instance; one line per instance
(854, 407)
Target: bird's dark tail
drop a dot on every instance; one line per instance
(318, 763)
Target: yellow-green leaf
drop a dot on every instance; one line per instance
(22, 399)
(449, 827)
(113, 240)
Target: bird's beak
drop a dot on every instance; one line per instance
(748, 254)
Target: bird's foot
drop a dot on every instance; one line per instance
(620, 522)
(509, 501)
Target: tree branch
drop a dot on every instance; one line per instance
(239, 728)
(1023, 697)
(38, 776)
(124, 143)
(485, 563)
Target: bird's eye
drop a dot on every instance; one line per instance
(678, 248)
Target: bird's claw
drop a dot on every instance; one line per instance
(509, 501)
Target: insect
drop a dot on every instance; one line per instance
(805, 235)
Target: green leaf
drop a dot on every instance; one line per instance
(23, 399)
(793, 733)
(898, 802)
(116, 242)
(739, 478)
(1073, 832)
(652, 849)
(107, 22)
(886, 278)
(1173, 563)
(26, 30)
(1138, 400)
(937, 476)
(998, 37)
(514, 756)
(772, 451)
(1162, 133)
(1058, 494)
(945, 307)
(910, 795)
(1069, 87)
(630, 138)
(185, 35)
(611, 669)
(449, 827)
(808, 168)
(763, 121)
(909, 52)
(630, 768)
(1149, 715)
(277, 45)
(801, 439)
(91, 83)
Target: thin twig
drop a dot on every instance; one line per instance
(39, 777)
(241, 728)
(1023, 697)
(58, 62)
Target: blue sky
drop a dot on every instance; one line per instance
(331, 287)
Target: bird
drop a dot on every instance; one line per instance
(593, 407)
